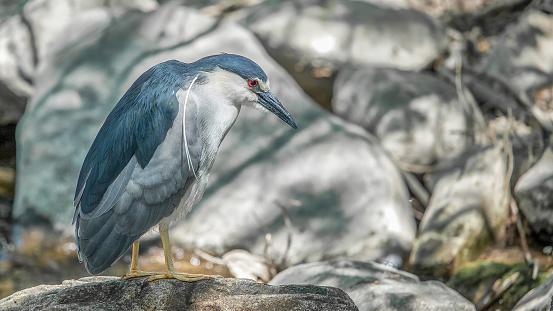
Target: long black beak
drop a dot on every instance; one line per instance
(269, 101)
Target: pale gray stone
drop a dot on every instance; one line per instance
(517, 66)
(522, 55)
(467, 210)
(352, 200)
(245, 265)
(313, 40)
(533, 192)
(29, 34)
(417, 117)
(374, 286)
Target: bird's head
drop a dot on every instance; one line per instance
(243, 82)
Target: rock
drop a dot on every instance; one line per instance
(439, 8)
(533, 192)
(527, 142)
(374, 286)
(353, 200)
(314, 40)
(518, 65)
(113, 293)
(417, 117)
(522, 54)
(16, 68)
(538, 299)
(467, 210)
(494, 285)
(245, 265)
(28, 36)
(356, 207)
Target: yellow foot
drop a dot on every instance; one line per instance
(139, 273)
(185, 277)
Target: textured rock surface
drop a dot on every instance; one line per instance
(30, 34)
(517, 66)
(522, 55)
(112, 293)
(510, 281)
(533, 191)
(376, 287)
(417, 117)
(467, 210)
(356, 206)
(313, 41)
(353, 201)
(538, 299)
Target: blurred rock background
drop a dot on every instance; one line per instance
(424, 143)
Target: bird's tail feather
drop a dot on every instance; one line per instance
(99, 244)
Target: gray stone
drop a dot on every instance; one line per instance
(16, 69)
(467, 210)
(518, 65)
(538, 299)
(313, 40)
(527, 142)
(533, 192)
(353, 200)
(29, 35)
(112, 293)
(245, 265)
(374, 286)
(522, 54)
(417, 117)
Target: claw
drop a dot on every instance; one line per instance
(170, 274)
(138, 273)
(185, 277)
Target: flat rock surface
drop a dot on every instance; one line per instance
(113, 293)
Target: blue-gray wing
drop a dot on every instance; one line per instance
(137, 170)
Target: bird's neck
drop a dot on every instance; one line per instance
(216, 119)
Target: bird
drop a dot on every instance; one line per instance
(151, 159)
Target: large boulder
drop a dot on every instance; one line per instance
(521, 55)
(313, 40)
(519, 64)
(352, 199)
(28, 35)
(113, 293)
(417, 117)
(374, 286)
(467, 211)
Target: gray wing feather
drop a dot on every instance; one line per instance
(114, 191)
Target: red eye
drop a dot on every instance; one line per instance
(252, 83)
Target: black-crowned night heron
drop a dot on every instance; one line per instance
(151, 159)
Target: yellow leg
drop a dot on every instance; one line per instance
(135, 272)
(170, 270)
(170, 273)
